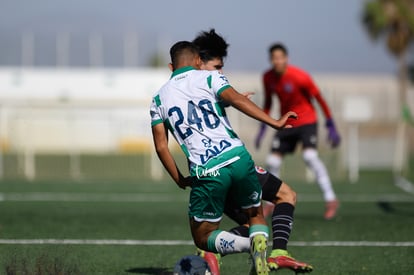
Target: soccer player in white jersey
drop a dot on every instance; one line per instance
(213, 50)
(188, 106)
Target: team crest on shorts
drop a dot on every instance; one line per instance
(260, 170)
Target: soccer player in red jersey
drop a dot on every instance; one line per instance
(295, 90)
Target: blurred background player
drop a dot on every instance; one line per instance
(295, 90)
(187, 105)
(213, 50)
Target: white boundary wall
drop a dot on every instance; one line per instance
(53, 110)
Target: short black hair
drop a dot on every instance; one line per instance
(278, 46)
(211, 45)
(181, 48)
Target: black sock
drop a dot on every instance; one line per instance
(240, 230)
(282, 221)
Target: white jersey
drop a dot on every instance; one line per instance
(189, 105)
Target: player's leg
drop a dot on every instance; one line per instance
(248, 193)
(258, 234)
(284, 199)
(280, 194)
(284, 142)
(207, 198)
(312, 160)
(207, 236)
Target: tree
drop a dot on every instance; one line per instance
(392, 21)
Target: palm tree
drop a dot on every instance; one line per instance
(392, 21)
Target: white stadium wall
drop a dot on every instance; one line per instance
(73, 111)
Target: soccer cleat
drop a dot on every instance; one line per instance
(331, 208)
(258, 253)
(213, 260)
(280, 258)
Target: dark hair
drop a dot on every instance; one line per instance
(280, 47)
(180, 49)
(211, 45)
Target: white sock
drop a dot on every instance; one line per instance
(228, 243)
(273, 163)
(311, 158)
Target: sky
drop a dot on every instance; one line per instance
(322, 35)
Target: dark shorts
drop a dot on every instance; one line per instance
(270, 187)
(285, 141)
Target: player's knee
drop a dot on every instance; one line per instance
(286, 195)
(200, 232)
(201, 242)
(273, 163)
(200, 239)
(310, 156)
(253, 212)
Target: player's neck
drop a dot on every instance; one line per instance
(279, 73)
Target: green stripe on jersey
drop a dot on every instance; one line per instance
(231, 133)
(182, 70)
(168, 124)
(221, 111)
(157, 100)
(209, 81)
(155, 122)
(222, 89)
(185, 150)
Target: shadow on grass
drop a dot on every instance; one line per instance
(150, 270)
(401, 209)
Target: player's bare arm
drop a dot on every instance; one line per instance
(243, 104)
(160, 137)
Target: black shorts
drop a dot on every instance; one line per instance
(285, 140)
(270, 187)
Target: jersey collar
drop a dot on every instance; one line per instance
(182, 70)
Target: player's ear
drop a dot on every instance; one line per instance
(198, 62)
(170, 66)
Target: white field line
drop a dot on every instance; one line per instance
(188, 243)
(165, 197)
(91, 197)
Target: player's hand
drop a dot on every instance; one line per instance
(260, 135)
(281, 123)
(333, 136)
(185, 182)
(248, 95)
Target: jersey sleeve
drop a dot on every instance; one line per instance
(313, 90)
(218, 82)
(309, 85)
(267, 104)
(155, 112)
